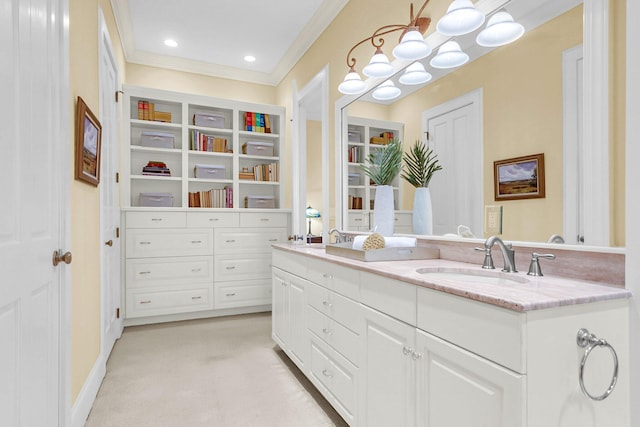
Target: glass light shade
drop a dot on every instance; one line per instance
(352, 84)
(461, 18)
(379, 66)
(386, 91)
(412, 46)
(500, 30)
(415, 74)
(449, 56)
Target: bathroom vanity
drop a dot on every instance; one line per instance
(445, 343)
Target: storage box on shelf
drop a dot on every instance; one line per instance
(203, 137)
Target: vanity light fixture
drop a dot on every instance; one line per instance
(500, 30)
(449, 56)
(461, 18)
(412, 47)
(386, 91)
(415, 74)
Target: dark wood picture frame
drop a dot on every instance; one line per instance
(519, 178)
(88, 144)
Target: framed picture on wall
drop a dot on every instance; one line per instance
(88, 141)
(519, 178)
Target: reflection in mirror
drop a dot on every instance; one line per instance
(522, 114)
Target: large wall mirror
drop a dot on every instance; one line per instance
(524, 111)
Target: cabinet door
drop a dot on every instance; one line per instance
(459, 388)
(280, 308)
(387, 384)
(298, 336)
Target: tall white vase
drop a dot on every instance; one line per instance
(383, 210)
(422, 212)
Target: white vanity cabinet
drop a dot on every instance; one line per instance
(288, 308)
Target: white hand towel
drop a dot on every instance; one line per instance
(389, 242)
(358, 241)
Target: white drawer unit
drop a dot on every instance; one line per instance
(358, 221)
(237, 267)
(142, 243)
(343, 280)
(156, 219)
(343, 340)
(264, 219)
(243, 241)
(242, 294)
(212, 219)
(339, 308)
(157, 272)
(144, 302)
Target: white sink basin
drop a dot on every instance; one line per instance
(472, 276)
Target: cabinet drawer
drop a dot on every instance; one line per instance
(489, 331)
(295, 264)
(238, 240)
(154, 272)
(392, 297)
(337, 336)
(336, 378)
(343, 280)
(250, 293)
(236, 267)
(152, 303)
(337, 307)
(358, 219)
(213, 219)
(264, 219)
(403, 219)
(141, 243)
(156, 219)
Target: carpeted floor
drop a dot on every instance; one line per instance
(222, 372)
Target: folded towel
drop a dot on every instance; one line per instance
(389, 242)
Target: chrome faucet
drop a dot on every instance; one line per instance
(341, 238)
(508, 254)
(555, 238)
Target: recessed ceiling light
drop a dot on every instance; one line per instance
(171, 43)
(250, 58)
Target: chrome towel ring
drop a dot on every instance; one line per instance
(590, 341)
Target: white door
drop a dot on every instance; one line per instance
(459, 388)
(111, 322)
(34, 139)
(387, 372)
(280, 308)
(455, 134)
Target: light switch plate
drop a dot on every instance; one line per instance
(492, 220)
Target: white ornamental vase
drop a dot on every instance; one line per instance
(422, 212)
(383, 210)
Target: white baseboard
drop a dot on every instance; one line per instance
(86, 397)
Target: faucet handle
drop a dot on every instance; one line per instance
(534, 267)
(488, 260)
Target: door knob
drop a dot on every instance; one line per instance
(59, 257)
(109, 243)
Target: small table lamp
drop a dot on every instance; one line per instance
(311, 213)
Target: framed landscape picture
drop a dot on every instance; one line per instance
(519, 178)
(88, 139)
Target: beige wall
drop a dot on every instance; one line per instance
(85, 199)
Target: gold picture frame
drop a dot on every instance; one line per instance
(88, 144)
(519, 178)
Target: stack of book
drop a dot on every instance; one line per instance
(355, 154)
(199, 141)
(257, 122)
(214, 198)
(156, 168)
(266, 172)
(383, 139)
(245, 174)
(355, 202)
(147, 111)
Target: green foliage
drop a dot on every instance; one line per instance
(383, 164)
(420, 165)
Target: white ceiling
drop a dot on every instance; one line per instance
(214, 35)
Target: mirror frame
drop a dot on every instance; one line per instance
(595, 123)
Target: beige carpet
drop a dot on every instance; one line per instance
(219, 372)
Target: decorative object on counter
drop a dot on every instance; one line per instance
(373, 241)
(311, 213)
(420, 163)
(382, 166)
(519, 178)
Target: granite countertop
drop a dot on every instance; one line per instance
(537, 293)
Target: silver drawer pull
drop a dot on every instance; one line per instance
(145, 302)
(264, 219)
(416, 356)
(156, 219)
(196, 241)
(327, 275)
(231, 295)
(214, 219)
(230, 241)
(327, 304)
(144, 272)
(196, 270)
(327, 373)
(327, 331)
(358, 219)
(407, 351)
(145, 243)
(230, 267)
(273, 240)
(198, 297)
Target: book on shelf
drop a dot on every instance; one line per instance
(214, 198)
(355, 154)
(199, 141)
(266, 172)
(147, 111)
(355, 202)
(157, 168)
(257, 122)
